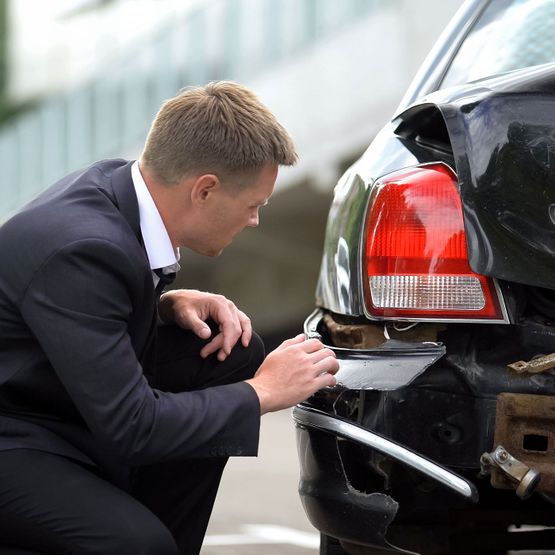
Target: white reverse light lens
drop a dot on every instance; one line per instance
(427, 292)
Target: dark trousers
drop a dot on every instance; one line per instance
(54, 505)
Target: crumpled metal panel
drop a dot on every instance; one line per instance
(502, 131)
(392, 365)
(387, 366)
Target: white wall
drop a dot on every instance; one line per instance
(334, 98)
(56, 44)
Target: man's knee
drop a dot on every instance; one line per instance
(241, 364)
(258, 352)
(181, 368)
(146, 537)
(247, 360)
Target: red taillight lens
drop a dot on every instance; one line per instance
(416, 257)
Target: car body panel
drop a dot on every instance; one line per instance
(340, 287)
(332, 505)
(502, 135)
(434, 386)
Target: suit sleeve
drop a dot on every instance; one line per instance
(78, 306)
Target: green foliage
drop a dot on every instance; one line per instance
(3, 46)
(8, 109)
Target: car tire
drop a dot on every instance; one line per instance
(330, 546)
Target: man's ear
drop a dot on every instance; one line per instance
(204, 186)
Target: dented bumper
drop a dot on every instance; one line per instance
(332, 504)
(335, 504)
(313, 419)
(400, 442)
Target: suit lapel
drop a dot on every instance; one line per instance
(126, 201)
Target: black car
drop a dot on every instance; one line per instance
(437, 293)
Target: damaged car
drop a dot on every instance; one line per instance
(437, 294)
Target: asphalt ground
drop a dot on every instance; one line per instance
(258, 510)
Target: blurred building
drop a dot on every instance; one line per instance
(96, 71)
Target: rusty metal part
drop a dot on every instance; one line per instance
(525, 426)
(525, 479)
(537, 364)
(367, 336)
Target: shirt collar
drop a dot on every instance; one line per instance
(158, 246)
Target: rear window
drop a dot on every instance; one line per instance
(510, 34)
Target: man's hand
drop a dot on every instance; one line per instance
(190, 309)
(293, 372)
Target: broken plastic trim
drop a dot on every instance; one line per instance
(387, 367)
(313, 418)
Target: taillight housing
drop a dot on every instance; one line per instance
(416, 260)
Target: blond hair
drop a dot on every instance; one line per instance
(221, 128)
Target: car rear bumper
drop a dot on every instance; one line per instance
(314, 419)
(333, 505)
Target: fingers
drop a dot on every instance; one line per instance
(326, 380)
(200, 328)
(308, 345)
(292, 341)
(231, 332)
(313, 345)
(246, 326)
(224, 342)
(321, 358)
(293, 372)
(327, 365)
(234, 325)
(322, 355)
(193, 308)
(214, 346)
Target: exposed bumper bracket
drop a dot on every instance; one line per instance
(526, 479)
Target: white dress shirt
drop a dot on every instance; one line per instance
(158, 246)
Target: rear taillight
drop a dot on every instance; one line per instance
(416, 258)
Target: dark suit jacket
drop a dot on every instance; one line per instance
(77, 309)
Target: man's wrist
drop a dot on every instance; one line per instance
(264, 395)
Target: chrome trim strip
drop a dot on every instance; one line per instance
(310, 325)
(313, 418)
(502, 303)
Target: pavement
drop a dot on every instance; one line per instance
(258, 510)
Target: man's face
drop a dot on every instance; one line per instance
(228, 210)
